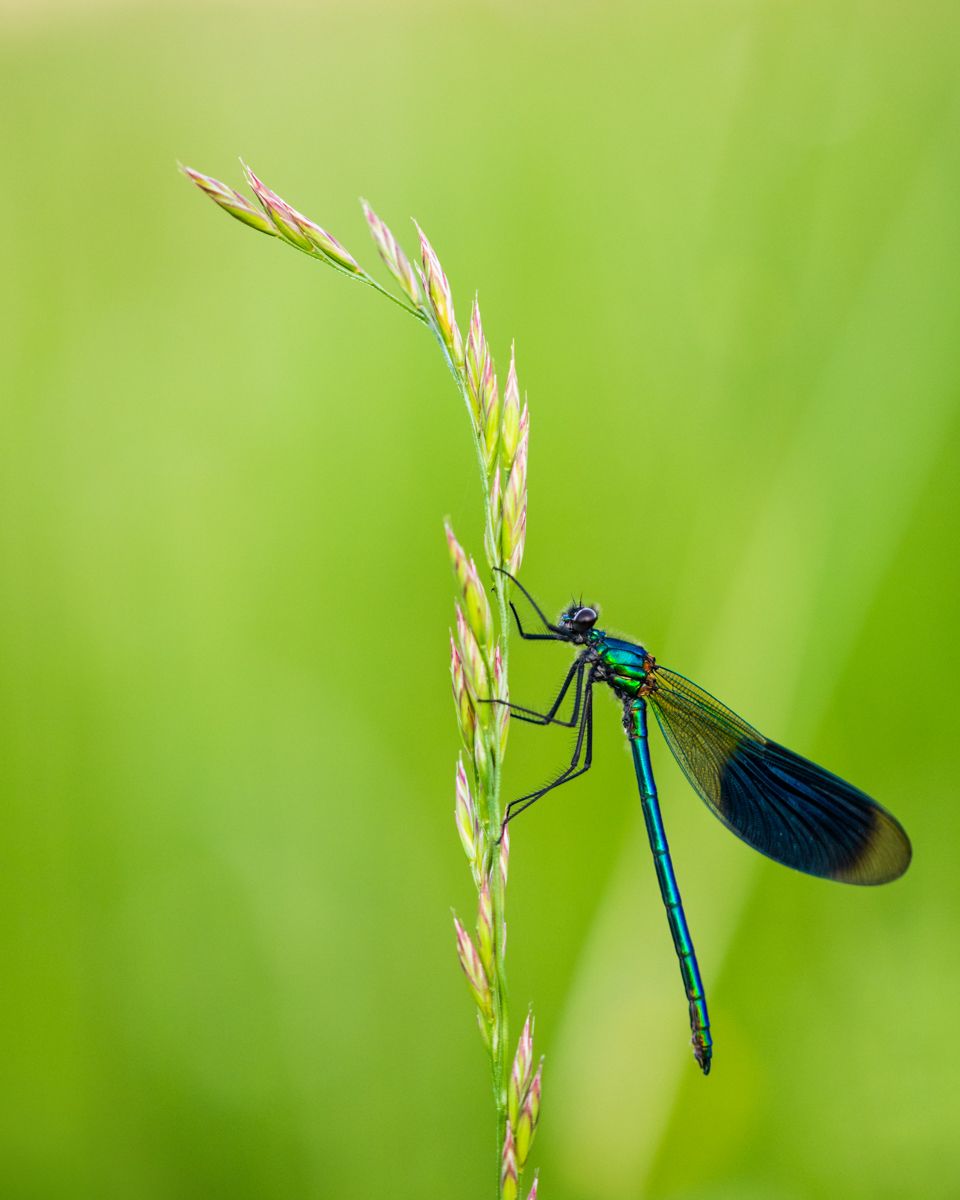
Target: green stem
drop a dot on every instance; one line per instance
(499, 1042)
(498, 907)
(378, 287)
(362, 277)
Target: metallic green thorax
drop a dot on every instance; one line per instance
(624, 665)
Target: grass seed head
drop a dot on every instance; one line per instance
(513, 533)
(466, 714)
(478, 606)
(509, 1179)
(476, 659)
(441, 299)
(501, 692)
(491, 422)
(485, 928)
(474, 364)
(231, 201)
(393, 256)
(458, 556)
(465, 815)
(482, 388)
(481, 756)
(299, 230)
(510, 423)
(327, 244)
(474, 663)
(520, 1075)
(529, 1118)
(278, 210)
(473, 969)
(475, 603)
(491, 533)
(519, 542)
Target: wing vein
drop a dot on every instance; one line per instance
(779, 803)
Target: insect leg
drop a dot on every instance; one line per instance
(531, 637)
(533, 717)
(584, 745)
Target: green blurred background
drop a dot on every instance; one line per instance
(725, 236)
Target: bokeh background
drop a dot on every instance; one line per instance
(725, 237)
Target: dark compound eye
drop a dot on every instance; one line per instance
(584, 616)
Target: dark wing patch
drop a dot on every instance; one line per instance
(779, 803)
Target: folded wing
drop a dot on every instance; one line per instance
(779, 803)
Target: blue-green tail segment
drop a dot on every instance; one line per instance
(635, 723)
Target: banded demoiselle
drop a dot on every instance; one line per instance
(783, 805)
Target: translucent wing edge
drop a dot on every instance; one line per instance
(849, 837)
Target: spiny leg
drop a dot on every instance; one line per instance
(532, 717)
(584, 735)
(531, 637)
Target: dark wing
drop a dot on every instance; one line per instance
(783, 805)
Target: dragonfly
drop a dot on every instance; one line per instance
(781, 804)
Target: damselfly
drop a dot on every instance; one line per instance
(783, 805)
